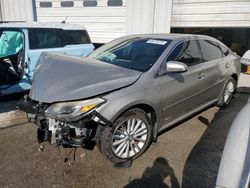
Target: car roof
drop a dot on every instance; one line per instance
(171, 36)
(23, 25)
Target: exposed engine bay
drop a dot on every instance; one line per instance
(73, 133)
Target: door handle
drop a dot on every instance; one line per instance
(227, 65)
(201, 76)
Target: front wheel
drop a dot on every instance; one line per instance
(228, 93)
(128, 138)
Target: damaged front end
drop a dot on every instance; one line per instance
(71, 124)
(63, 117)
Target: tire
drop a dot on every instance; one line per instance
(227, 94)
(128, 138)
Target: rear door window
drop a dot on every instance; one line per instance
(186, 52)
(225, 51)
(44, 38)
(210, 50)
(73, 37)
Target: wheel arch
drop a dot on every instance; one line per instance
(235, 77)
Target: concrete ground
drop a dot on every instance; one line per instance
(187, 155)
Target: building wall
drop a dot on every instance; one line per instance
(211, 13)
(16, 10)
(149, 16)
(140, 16)
(0, 13)
(103, 22)
(162, 20)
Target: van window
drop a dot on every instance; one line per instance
(11, 56)
(71, 37)
(44, 38)
(210, 50)
(225, 51)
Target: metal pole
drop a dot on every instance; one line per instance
(34, 10)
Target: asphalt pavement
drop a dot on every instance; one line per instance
(187, 155)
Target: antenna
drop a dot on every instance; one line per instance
(64, 21)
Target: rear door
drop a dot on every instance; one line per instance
(182, 93)
(215, 65)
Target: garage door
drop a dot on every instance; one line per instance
(13, 10)
(210, 13)
(104, 19)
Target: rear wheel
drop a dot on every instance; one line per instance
(128, 138)
(228, 93)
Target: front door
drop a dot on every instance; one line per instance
(183, 92)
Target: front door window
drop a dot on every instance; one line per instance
(11, 56)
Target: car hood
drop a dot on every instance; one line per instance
(61, 77)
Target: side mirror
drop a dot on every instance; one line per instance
(175, 66)
(246, 58)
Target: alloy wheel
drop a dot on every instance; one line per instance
(129, 138)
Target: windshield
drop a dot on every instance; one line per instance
(137, 53)
(11, 42)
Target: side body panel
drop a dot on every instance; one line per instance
(216, 78)
(181, 93)
(144, 91)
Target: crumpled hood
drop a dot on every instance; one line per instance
(61, 77)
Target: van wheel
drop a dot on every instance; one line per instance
(228, 93)
(128, 138)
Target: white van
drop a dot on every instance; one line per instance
(21, 44)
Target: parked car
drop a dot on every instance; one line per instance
(21, 44)
(127, 91)
(234, 168)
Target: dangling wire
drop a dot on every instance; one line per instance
(67, 156)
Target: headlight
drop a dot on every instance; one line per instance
(72, 110)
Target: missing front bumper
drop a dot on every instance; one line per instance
(80, 133)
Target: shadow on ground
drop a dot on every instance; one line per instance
(203, 162)
(155, 175)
